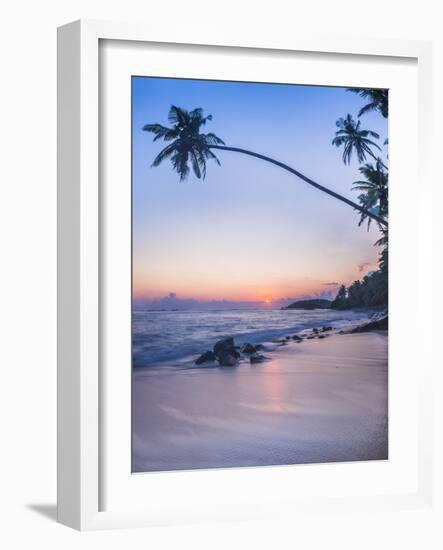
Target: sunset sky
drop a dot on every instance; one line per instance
(250, 231)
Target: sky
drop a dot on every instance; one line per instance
(250, 232)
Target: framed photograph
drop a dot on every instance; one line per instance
(239, 225)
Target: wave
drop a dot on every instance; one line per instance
(165, 336)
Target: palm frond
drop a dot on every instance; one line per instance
(196, 164)
(366, 133)
(212, 139)
(164, 154)
(160, 131)
(378, 100)
(178, 116)
(371, 106)
(210, 155)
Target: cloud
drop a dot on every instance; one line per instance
(331, 284)
(362, 266)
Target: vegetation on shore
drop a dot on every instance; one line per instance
(372, 290)
(309, 304)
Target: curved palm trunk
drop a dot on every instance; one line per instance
(379, 160)
(378, 219)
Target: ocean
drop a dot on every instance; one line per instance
(170, 337)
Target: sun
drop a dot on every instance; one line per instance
(268, 300)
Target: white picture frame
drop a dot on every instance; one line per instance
(80, 371)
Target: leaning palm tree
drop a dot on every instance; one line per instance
(375, 191)
(354, 139)
(377, 100)
(188, 146)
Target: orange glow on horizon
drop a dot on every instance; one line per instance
(297, 291)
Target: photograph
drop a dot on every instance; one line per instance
(259, 291)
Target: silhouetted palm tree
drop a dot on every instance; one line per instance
(188, 145)
(384, 239)
(375, 187)
(353, 139)
(378, 100)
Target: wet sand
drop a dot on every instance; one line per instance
(318, 401)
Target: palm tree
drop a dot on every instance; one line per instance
(353, 139)
(378, 100)
(384, 239)
(375, 187)
(188, 145)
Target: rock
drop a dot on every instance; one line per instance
(224, 346)
(380, 324)
(310, 337)
(259, 347)
(325, 329)
(315, 330)
(227, 360)
(287, 337)
(205, 357)
(248, 348)
(257, 358)
(297, 338)
(322, 336)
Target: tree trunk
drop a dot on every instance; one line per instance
(378, 160)
(378, 219)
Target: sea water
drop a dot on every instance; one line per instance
(162, 337)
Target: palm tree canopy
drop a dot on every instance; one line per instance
(187, 145)
(377, 100)
(353, 138)
(375, 191)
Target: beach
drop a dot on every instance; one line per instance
(321, 400)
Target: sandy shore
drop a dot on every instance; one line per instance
(318, 401)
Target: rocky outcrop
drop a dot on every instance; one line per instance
(205, 358)
(248, 349)
(227, 359)
(223, 346)
(226, 352)
(379, 324)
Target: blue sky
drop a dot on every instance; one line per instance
(250, 231)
